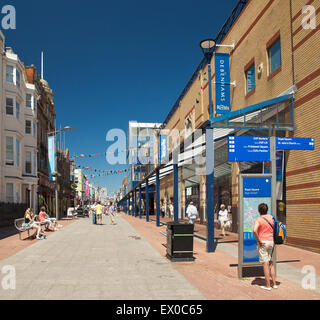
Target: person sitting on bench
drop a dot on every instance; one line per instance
(29, 219)
(45, 219)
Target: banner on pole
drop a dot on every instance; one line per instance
(52, 156)
(222, 75)
(163, 148)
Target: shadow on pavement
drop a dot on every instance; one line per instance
(6, 232)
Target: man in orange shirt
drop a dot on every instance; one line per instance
(263, 232)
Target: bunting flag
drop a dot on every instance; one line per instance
(93, 155)
(107, 172)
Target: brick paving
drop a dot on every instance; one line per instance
(66, 260)
(11, 244)
(215, 274)
(95, 262)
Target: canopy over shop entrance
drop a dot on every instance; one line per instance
(275, 115)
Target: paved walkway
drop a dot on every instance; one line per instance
(86, 261)
(10, 243)
(215, 274)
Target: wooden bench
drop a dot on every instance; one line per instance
(18, 223)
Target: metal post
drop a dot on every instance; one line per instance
(135, 202)
(140, 209)
(147, 200)
(57, 201)
(273, 160)
(175, 192)
(56, 178)
(210, 168)
(210, 189)
(158, 196)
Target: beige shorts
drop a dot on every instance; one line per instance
(265, 252)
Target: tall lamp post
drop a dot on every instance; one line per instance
(207, 47)
(56, 174)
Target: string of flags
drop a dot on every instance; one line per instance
(100, 172)
(105, 173)
(95, 155)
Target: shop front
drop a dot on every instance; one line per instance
(46, 194)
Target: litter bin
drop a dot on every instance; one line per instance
(94, 220)
(180, 241)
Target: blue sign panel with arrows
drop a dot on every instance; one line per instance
(295, 143)
(243, 148)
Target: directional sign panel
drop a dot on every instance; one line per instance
(256, 190)
(244, 148)
(295, 143)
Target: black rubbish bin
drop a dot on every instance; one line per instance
(180, 241)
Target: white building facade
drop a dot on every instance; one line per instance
(18, 131)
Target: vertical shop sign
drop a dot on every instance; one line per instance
(222, 75)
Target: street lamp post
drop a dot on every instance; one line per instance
(207, 47)
(56, 173)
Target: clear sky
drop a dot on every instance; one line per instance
(109, 62)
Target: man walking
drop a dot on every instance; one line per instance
(98, 208)
(192, 212)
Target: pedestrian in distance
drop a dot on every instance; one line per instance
(263, 232)
(171, 209)
(111, 214)
(98, 209)
(192, 213)
(223, 218)
(163, 211)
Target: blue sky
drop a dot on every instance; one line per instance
(110, 62)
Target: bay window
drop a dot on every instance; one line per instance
(9, 151)
(9, 107)
(10, 74)
(10, 192)
(28, 128)
(28, 168)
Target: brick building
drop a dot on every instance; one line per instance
(46, 124)
(274, 55)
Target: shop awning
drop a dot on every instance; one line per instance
(277, 113)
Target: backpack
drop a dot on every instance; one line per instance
(279, 231)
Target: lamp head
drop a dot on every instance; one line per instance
(207, 47)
